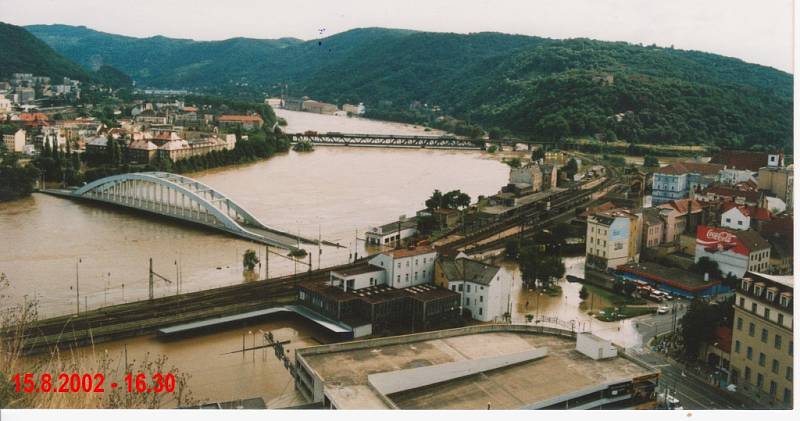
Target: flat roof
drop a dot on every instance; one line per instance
(671, 275)
(358, 269)
(521, 201)
(562, 371)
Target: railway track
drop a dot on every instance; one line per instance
(144, 317)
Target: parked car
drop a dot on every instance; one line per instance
(663, 310)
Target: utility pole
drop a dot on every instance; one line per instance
(77, 287)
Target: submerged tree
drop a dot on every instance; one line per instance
(250, 260)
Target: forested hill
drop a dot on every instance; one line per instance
(530, 86)
(24, 53)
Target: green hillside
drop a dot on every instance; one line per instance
(24, 53)
(530, 86)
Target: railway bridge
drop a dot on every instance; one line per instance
(183, 198)
(408, 141)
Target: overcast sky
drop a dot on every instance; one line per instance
(757, 31)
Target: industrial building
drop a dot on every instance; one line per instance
(476, 367)
(389, 291)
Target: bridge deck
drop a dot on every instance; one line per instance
(265, 236)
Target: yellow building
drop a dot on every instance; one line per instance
(761, 359)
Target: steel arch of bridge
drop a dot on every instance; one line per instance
(183, 198)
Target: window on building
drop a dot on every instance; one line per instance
(760, 380)
(461, 288)
(773, 387)
(728, 220)
(415, 275)
(762, 359)
(791, 347)
(398, 278)
(778, 340)
(754, 307)
(424, 273)
(770, 295)
(764, 335)
(739, 323)
(787, 395)
(480, 311)
(467, 300)
(775, 366)
(469, 288)
(780, 319)
(789, 373)
(747, 374)
(785, 300)
(751, 330)
(766, 313)
(398, 265)
(406, 277)
(453, 287)
(737, 346)
(750, 353)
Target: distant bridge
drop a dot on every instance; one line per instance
(407, 141)
(182, 198)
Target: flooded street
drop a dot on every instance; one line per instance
(568, 306)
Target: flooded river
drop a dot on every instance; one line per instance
(49, 244)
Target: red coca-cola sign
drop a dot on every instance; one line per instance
(712, 238)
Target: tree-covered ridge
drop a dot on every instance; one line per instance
(528, 86)
(24, 53)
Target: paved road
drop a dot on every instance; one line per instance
(656, 324)
(690, 388)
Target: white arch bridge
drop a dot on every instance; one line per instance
(183, 198)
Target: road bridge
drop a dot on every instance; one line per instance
(183, 198)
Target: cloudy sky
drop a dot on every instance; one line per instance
(757, 31)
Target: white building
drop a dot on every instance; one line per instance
(400, 268)
(485, 289)
(733, 176)
(15, 142)
(387, 234)
(737, 217)
(407, 267)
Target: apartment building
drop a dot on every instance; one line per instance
(761, 359)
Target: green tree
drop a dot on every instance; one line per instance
(571, 168)
(513, 162)
(537, 154)
(698, 324)
(705, 265)
(250, 260)
(584, 293)
(650, 161)
(537, 266)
